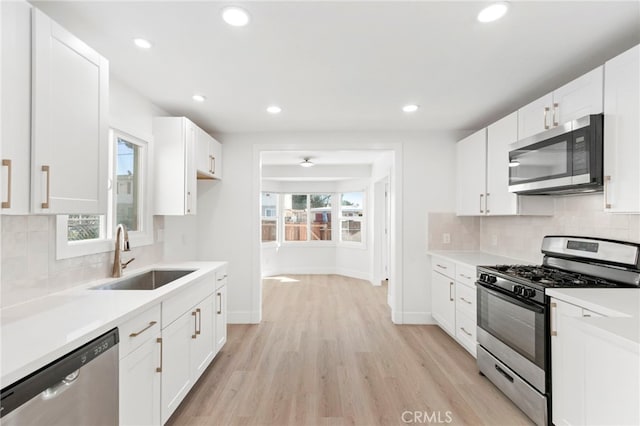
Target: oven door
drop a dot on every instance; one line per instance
(513, 330)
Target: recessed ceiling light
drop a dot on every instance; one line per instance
(235, 16)
(199, 98)
(306, 163)
(274, 109)
(142, 43)
(410, 108)
(493, 12)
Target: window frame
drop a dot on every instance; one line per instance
(144, 236)
(275, 219)
(362, 219)
(309, 242)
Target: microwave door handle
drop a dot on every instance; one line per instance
(517, 302)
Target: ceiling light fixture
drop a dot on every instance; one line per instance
(199, 98)
(142, 43)
(493, 12)
(274, 109)
(235, 16)
(306, 163)
(410, 108)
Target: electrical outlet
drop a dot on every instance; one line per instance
(494, 240)
(446, 238)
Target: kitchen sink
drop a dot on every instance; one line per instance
(148, 281)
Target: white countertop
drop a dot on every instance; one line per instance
(476, 258)
(620, 307)
(37, 332)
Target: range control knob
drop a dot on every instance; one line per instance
(491, 279)
(483, 278)
(529, 293)
(517, 289)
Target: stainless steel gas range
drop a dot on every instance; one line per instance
(514, 349)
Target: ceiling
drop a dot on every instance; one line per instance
(321, 158)
(349, 66)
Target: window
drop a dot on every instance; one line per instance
(82, 234)
(351, 216)
(307, 217)
(269, 208)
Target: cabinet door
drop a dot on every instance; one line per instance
(622, 133)
(499, 135)
(202, 351)
(567, 366)
(221, 317)
(140, 385)
(216, 158)
(535, 117)
(471, 180)
(15, 130)
(191, 176)
(443, 302)
(582, 96)
(69, 110)
(176, 356)
(204, 154)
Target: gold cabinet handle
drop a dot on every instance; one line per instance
(199, 312)
(450, 287)
(213, 162)
(195, 324)
(556, 114)
(554, 319)
(466, 301)
(481, 196)
(47, 170)
(188, 202)
(440, 266)
(607, 180)
(219, 303)
(7, 163)
(465, 331)
(137, 333)
(224, 277)
(544, 117)
(486, 203)
(159, 369)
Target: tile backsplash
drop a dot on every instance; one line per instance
(29, 265)
(520, 237)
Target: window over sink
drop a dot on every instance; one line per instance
(129, 192)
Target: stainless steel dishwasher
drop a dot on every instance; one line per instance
(80, 388)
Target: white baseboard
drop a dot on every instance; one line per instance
(352, 273)
(241, 317)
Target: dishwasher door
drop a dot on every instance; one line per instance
(80, 388)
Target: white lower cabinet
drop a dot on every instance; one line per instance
(140, 369)
(594, 377)
(443, 307)
(140, 385)
(160, 365)
(187, 350)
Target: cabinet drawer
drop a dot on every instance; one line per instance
(444, 266)
(186, 299)
(221, 276)
(139, 330)
(466, 274)
(466, 299)
(466, 331)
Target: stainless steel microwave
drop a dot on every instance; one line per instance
(563, 160)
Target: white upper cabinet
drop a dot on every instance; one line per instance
(483, 175)
(622, 133)
(69, 121)
(15, 129)
(471, 158)
(208, 156)
(499, 135)
(580, 97)
(175, 164)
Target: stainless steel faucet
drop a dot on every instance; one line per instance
(122, 244)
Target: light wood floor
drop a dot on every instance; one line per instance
(327, 353)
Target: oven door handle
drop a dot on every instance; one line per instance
(512, 299)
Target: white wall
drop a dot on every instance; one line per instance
(228, 212)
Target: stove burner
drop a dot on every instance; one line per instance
(552, 277)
